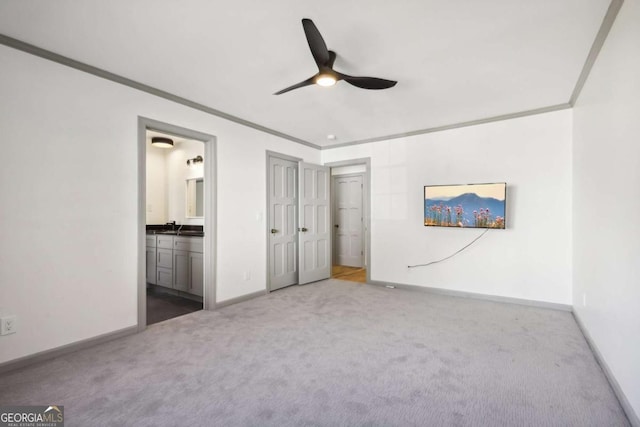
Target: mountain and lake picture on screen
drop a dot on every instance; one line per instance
(465, 206)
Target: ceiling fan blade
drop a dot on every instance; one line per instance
(332, 59)
(307, 82)
(316, 43)
(368, 82)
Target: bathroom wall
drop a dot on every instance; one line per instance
(156, 184)
(167, 173)
(177, 174)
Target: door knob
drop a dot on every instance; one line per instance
(274, 231)
(337, 226)
(303, 229)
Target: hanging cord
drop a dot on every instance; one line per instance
(453, 254)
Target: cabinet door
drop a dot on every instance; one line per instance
(165, 277)
(151, 265)
(151, 241)
(164, 241)
(181, 270)
(191, 244)
(196, 273)
(165, 258)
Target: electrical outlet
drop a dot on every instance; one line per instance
(246, 275)
(8, 325)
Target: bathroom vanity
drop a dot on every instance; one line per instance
(176, 262)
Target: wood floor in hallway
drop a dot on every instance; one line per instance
(352, 274)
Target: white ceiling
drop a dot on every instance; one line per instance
(456, 61)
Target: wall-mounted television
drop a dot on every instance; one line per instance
(465, 206)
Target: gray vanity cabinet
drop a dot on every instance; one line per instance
(164, 261)
(196, 272)
(188, 264)
(165, 277)
(151, 260)
(176, 262)
(165, 241)
(164, 267)
(164, 258)
(181, 270)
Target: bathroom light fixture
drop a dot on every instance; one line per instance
(197, 159)
(160, 141)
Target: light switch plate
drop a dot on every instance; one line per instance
(8, 325)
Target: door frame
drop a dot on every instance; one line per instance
(267, 229)
(366, 205)
(210, 167)
(334, 193)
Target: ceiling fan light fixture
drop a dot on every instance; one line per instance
(160, 141)
(325, 59)
(325, 80)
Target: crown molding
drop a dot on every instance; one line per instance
(452, 126)
(99, 72)
(596, 47)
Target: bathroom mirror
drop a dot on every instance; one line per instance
(195, 198)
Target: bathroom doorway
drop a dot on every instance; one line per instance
(176, 218)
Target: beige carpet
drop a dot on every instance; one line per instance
(334, 353)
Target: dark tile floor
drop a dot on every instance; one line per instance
(162, 306)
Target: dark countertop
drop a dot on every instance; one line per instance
(177, 230)
(183, 233)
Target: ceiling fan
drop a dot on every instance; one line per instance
(324, 58)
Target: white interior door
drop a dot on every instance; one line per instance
(314, 228)
(283, 250)
(348, 220)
